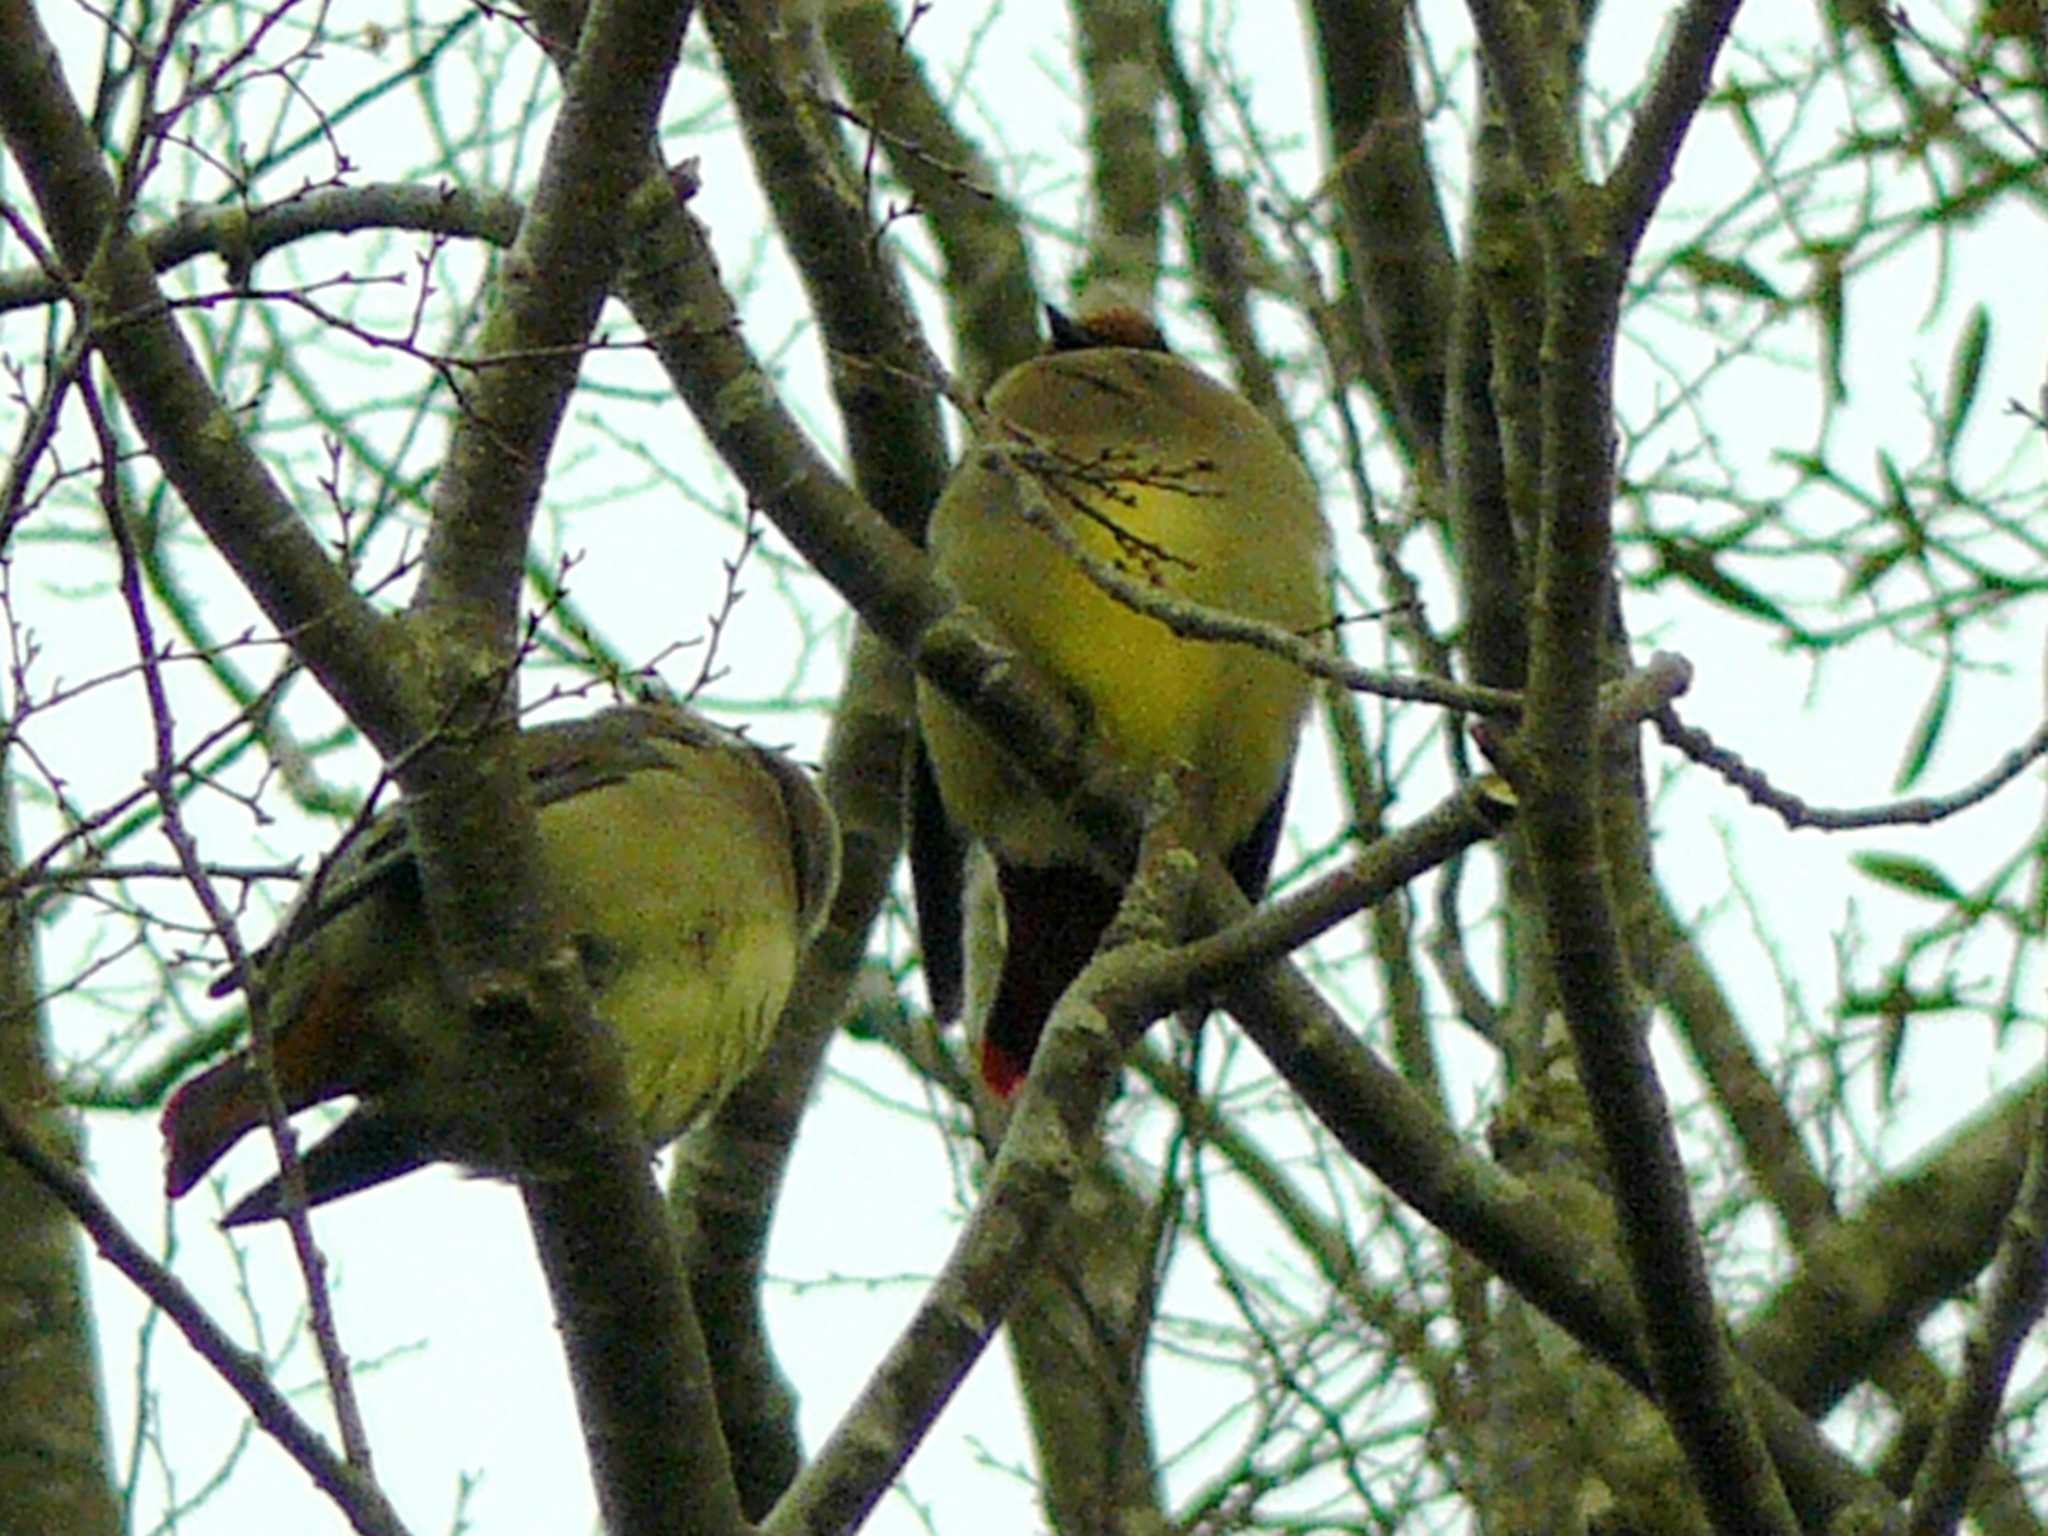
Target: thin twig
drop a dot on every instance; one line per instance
(162, 780)
(1921, 810)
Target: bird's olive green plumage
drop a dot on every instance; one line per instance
(689, 869)
(1159, 469)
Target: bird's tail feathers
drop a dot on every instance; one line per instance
(367, 1148)
(204, 1118)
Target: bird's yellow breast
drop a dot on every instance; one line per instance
(1178, 482)
(691, 973)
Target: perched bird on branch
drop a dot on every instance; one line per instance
(1173, 479)
(688, 868)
